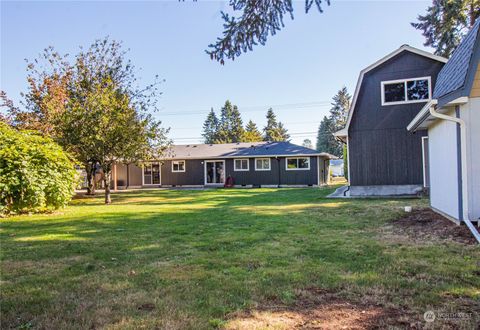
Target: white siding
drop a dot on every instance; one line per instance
(471, 114)
(443, 167)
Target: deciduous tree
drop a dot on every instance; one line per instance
(93, 107)
(307, 143)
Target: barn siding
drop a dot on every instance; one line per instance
(382, 152)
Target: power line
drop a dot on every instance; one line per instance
(289, 124)
(257, 108)
(294, 134)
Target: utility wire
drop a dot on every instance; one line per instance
(258, 108)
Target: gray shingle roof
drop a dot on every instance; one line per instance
(453, 74)
(230, 150)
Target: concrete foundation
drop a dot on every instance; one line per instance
(388, 190)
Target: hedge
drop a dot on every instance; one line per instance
(35, 173)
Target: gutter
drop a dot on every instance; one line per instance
(421, 116)
(463, 147)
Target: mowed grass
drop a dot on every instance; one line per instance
(190, 259)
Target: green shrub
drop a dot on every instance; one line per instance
(35, 173)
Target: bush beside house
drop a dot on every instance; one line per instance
(36, 174)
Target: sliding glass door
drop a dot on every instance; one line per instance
(214, 172)
(151, 173)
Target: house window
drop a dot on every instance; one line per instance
(300, 163)
(406, 91)
(262, 164)
(151, 173)
(178, 166)
(240, 165)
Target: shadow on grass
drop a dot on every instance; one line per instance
(198, 255)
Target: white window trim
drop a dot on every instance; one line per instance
(235, 169)
(383, 83)
(263, 169)
(179, 161)
(297, 169)
(159, 174)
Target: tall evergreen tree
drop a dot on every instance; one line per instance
(271, 125)
(334, 122)
(281, 133)
(252, 134)
(274, 130)
(236, 126)
(340, 107)
(325, 139)
(223, 132)
(210, 128)
(230, 127)
(446, 22)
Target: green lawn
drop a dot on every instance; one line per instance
(197, 259)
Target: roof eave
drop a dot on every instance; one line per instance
(421, 116)
(320, 154)
(424, 119)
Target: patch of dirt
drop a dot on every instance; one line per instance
(427, 225)
(320, 309)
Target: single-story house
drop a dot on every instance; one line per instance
(254, 164)
(383, 157)
(452, 119)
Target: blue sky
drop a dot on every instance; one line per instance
(296, 73)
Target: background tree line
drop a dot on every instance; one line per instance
(228, 127)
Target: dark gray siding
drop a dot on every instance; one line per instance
(382, 152)
(273, 177)
(134, 175)
(193, 175)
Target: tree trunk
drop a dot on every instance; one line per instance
(472, 13)
(106, 182)
(90, 169)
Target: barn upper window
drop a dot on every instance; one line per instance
(406, 91)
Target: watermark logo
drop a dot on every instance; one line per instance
(429, 316)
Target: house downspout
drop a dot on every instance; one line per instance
(463, 147)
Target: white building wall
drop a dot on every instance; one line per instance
(443, 166)
(470, 112)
